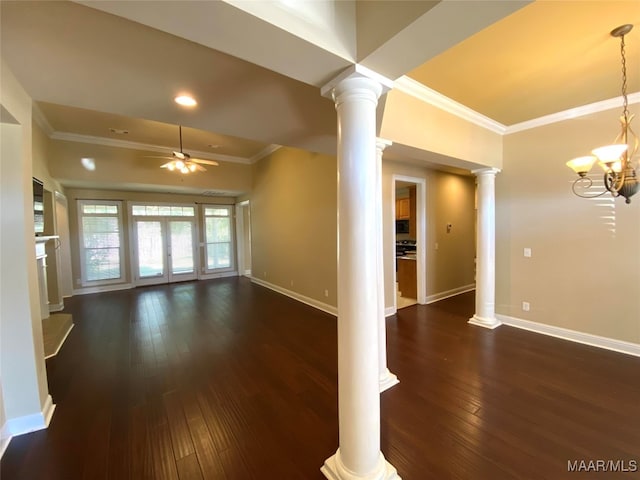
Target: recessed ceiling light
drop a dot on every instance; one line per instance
(88, 163)
(186, 101)
(119, 131)
(213, 145)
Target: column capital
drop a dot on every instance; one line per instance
(382, 143)
(486, 171)
(356, 71)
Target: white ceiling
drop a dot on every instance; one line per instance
(257, 79)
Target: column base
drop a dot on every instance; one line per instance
(485, 322)
(333, 469)
(387, 380)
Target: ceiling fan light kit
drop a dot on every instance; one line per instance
(183, 163)
(617, 160)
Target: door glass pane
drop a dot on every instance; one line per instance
(181, 246)
(150, 249)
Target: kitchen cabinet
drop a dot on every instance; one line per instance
(403, 209)
(407, 277)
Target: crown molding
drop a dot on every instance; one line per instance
(421, 92)
(41, 119)
(264, 152)
(111, 142)
(572, 113)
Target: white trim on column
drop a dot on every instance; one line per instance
(484, 315)
(386, 379)
(489, 323)
(334, 470)
(33, 422)
(355, 93)
(572, 335)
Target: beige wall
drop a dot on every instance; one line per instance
(22, 366)
(412, 122)
(294, 223)
(449, 199)
(126, 168)
(41, 155)
(584, 273)
(73, 195)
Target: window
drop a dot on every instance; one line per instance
(217, 222)
(162, 211)
(100, 240)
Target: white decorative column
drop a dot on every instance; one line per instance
(485, 315)
(386, 378)
(356, 93)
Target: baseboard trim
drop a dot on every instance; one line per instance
(64, 339)
(210, 276)
(619, 346)
(103, 288)
(436, 297)
(33, 422)
(56, 307)
(247, 273)
(325, 307)
(390, 311)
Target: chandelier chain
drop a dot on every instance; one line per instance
(625, 109)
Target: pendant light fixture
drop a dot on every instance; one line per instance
(618, 159)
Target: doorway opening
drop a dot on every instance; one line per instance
(409, 213)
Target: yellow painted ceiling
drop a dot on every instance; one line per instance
(547, 57)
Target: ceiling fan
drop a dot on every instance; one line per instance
(183, 162)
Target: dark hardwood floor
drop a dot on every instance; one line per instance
(227, 380)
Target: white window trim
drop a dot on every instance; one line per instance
(232, 239)
(83, 267)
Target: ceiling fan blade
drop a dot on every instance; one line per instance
(205, 162)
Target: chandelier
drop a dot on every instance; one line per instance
(620, 178)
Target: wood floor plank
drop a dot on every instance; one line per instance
(189, 468)
(180, 436)
(226, 380)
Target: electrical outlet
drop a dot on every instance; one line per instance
(526, 306)
(265, 274)
(326, 293)
(292, 283)
(437, 246)
(527, 252)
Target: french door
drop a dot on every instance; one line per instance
(165, 250)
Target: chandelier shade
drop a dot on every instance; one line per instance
(582, 165)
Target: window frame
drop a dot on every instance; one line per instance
(81, 243)
(231, 242)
